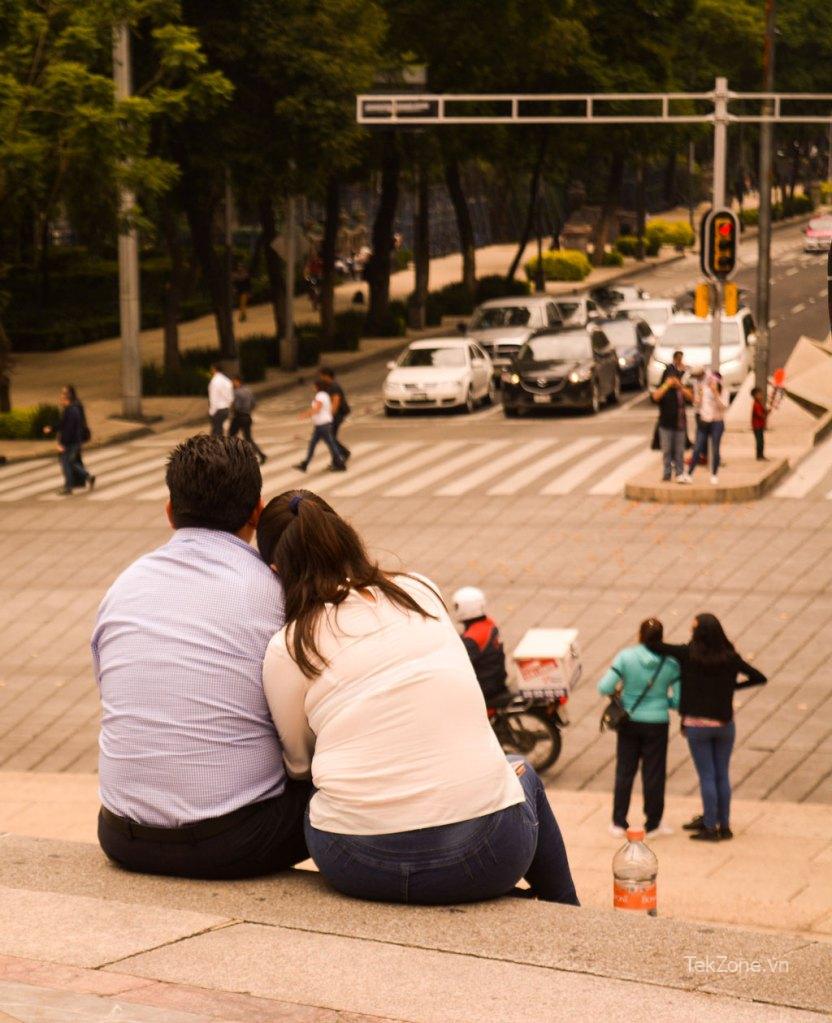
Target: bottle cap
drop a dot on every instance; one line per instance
(635, 834)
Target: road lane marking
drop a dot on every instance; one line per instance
(375, 479)
(791, 272)
(798, 308)
(523, 477)
(509, 460)
(614, 482)
(573, 477)
(808, 474)
(424, 479)
(389, 453)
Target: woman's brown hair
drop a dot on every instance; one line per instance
(319, 558)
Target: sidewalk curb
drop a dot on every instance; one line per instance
(670, 493)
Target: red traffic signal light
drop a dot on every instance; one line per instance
(725, 230)
(720, 240)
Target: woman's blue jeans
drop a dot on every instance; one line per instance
(711, 751)
(465, 862)
(704, 432)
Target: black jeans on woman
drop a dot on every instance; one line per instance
(645, 743)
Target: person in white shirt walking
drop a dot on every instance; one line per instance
(220, 400)
(373, 695)
(320, 412)
(713, 405)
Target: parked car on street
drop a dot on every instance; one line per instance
(439, 372)
(657, 311)
(691, 335)
(502, 325)
(578, 309)
(567, 368)
(610, 296)
(633, 341)
(818, 234)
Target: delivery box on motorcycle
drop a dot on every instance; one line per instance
(548, 662)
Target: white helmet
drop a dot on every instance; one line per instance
(469, 603)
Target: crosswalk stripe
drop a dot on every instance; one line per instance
(519, 454)
(134, 482)
(528, 474)
(567, 482)
(808, 474)
(29, 472)
(424, 479)
(385, 456)
(309, 480)
(49, 480)
(614, 482)
(375, 479)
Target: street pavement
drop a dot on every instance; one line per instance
(531, 510)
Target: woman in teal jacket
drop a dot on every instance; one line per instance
(643, 738)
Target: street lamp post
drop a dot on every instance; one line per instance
(761, 355)
(128, 254)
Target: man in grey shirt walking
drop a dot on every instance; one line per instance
(241, 409)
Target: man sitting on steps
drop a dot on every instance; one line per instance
(191, 767)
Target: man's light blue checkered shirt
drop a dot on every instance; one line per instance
(178, 651)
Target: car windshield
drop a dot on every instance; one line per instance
(433, 357)
(557, 348)
(568, 309)
(622, 334)
(501, 316)
(821, 224)
(653, 314)
(694, 335)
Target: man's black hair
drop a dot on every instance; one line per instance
(326, 371)
(214, 483)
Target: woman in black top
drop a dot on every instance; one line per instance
(710, 667)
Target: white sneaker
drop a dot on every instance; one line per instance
(714, 480)
(617, 832)
(684, 478)
(662, 829)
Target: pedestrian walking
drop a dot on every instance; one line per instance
(241, 279)
(241, 409)
(340, 406)
(320, 412)
(672, 397)
(759, 421)
(220, 400)
(714, 405)
(710, 671)
(71, 434)
(648, 686)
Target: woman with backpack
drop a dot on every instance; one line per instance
(711, 670)
(648, 686)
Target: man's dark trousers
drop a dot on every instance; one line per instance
(337, 422)
(265, 841)
(241, 423)
(647, 743)
(218, 419)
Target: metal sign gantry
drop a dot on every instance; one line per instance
(723, 107)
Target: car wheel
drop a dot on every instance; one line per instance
(615, 393)
(391, 412)
(510, 412)
(641, 381)
(594, 406)
(470, 402)
(491, 396)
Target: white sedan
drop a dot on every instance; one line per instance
(439, 372)
(692, 337)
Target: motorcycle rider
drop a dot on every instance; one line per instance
(483, 643)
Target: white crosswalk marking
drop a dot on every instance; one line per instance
(808, 474)
(475, 453)
(567, 482)
(148, 473)
(613, 483)
(369, 481)
(51, 477)
(41, 465)
(389, 453)
(516, 456)
(523, 477)
(276, 484)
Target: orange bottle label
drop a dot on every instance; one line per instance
(641, 899)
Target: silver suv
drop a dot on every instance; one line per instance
(502, 325)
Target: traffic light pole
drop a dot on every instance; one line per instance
(761, 352)
(720, 163)
(716, 325)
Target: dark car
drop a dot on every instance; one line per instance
(633, 341)
(575, 368)
(608, 296)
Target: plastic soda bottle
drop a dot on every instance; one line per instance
(634, 870)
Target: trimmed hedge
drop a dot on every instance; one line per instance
(28, 423)
(561, 265)
(613, 258)
(677, 233)
(794, 207)
(627, 245)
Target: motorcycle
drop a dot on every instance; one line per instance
(529, 725)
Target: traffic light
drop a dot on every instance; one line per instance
(731, 299)
(701, 300)
(721, 239)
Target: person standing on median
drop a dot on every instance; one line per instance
(673, 397)
(220, 400)
(340, 406)
(320, 412)
(649, 688)
(243, 406)
(712, 409)
(759, 421)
